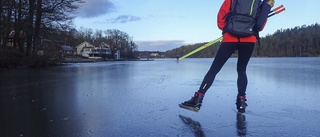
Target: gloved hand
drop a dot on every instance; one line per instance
(271, 3)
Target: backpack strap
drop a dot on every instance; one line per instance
(231, 5)
(228, 14)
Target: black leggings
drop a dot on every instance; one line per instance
(225, 51)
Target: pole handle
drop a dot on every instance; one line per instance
(283, 9)
(277, 12)
(277, 8)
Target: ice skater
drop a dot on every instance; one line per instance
(240, 21)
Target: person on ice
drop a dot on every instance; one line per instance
(234, 19)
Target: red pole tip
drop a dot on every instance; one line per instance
(278, 7)
(280, 10)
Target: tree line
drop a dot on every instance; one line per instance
(301, 41)
(30, 26)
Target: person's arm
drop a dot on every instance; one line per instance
(224, 9)
(264, 12)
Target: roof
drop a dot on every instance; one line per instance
(66, 48)
(84, 44)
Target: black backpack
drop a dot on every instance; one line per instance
(241, 20)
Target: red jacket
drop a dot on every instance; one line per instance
(225, 8)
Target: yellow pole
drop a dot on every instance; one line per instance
(201, 48)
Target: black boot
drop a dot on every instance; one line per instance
(241, 104)
(194, 103)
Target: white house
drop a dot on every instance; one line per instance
(85, 49)
(102, 49)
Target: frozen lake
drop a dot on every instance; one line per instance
(140, 98)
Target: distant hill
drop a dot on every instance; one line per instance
(302, 41)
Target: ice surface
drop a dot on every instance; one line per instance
(140, 98)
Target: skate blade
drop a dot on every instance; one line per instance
(189, 108)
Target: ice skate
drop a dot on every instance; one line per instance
(241, 104)
(194, 103)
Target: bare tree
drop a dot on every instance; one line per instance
(29, 22)
(119, 40)
(30, 26)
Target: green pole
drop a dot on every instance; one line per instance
(201, 48)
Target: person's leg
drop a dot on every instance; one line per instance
(245, 51)
(223, 54)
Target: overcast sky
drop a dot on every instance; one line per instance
(162, 25)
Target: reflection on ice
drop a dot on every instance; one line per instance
(241, 124)
(195, 125)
